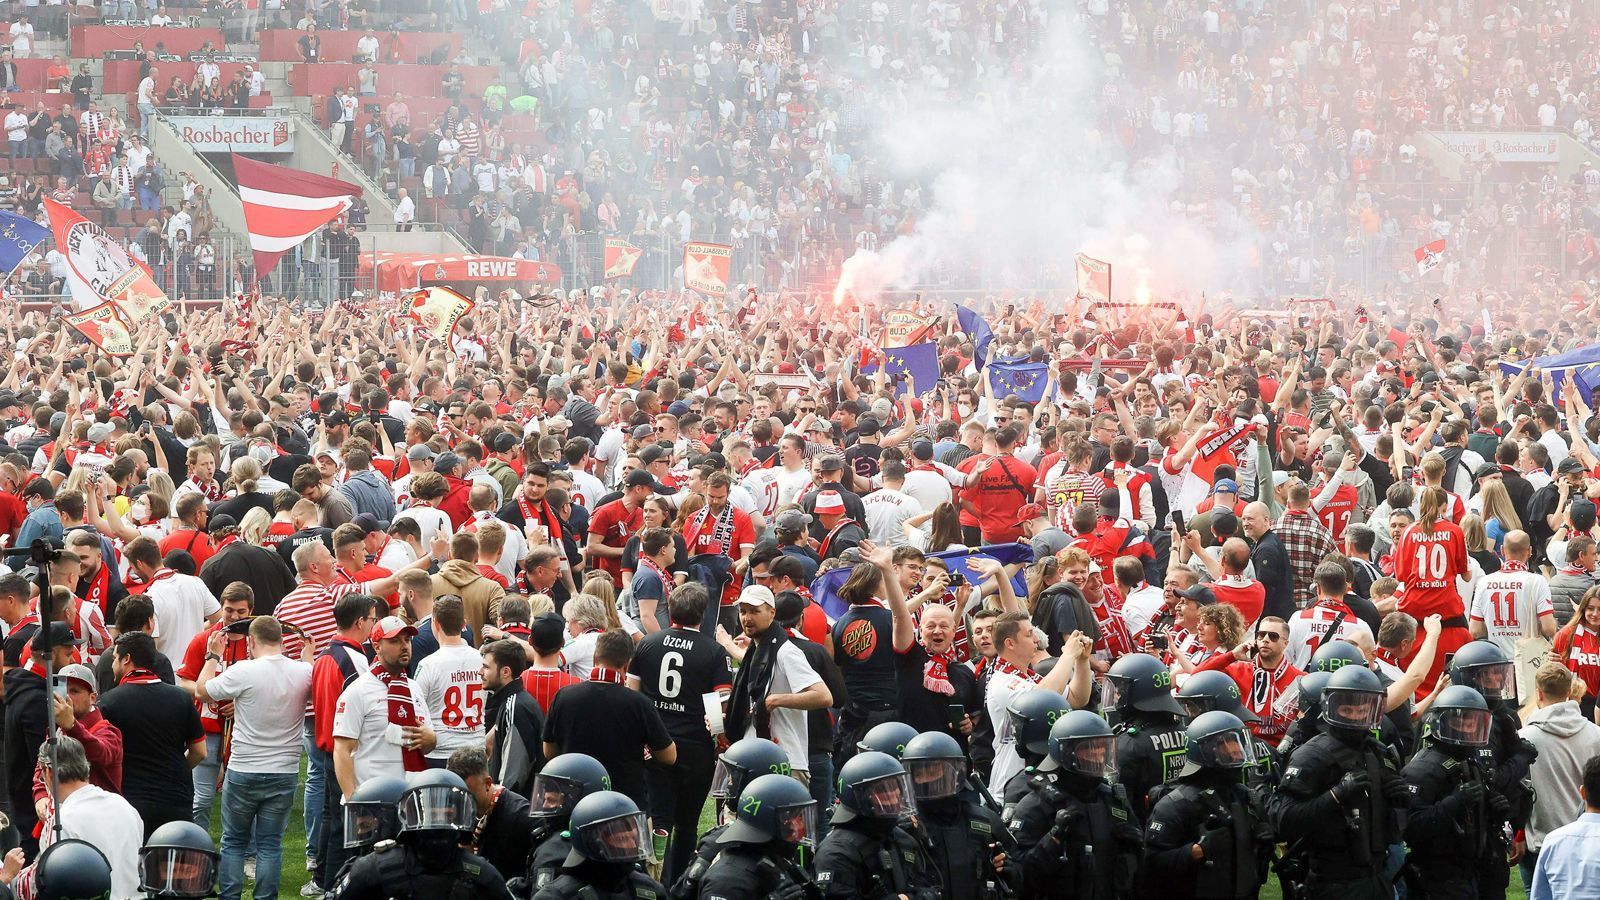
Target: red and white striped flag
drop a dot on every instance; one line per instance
(283, 207)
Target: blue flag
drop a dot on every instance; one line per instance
(825, 589)
(977, 329)
(18, 237)
(1025, 379)
(920, 360)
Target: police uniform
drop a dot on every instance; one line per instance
(1150, 748)
(1509, 758)
(1344, 863)
(688, 885)
(1233, 824)
(960, 832)
(549, 854)
(1076, 840)
(392, 872)
(746, 872)
(1451, 827)
(598, 881)
(872, 861)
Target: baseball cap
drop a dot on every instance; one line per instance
(392, 626)
(829, 503)
(642, 478)
(60, 635)
(100, 431)
(336, 418)
(791, 521)
(222, 522)
(643, 432)
(867, 425)
(713, 459)
(548, 633)
(1569, 466)
(446, 462)
(757, 595)
(8, 400)
(1225, 486)
(367, 522)
(418, 452)
(505, 442)
(80, 672)
(1488, 470)
(1200, 593)
(922, 449)
(651, 454)
(1029, 512)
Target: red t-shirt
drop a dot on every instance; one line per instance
(1427, 566)
(1248, 598)
(12, 512)
(544, 683)
(196, 543)
(704, 540)
(614, 523)
(1003, 489)
(493, 575)
(1336, 513)
(1579, 650)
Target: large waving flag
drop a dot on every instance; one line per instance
(904, 327)
(18, 237)
(620, 258)
(1021, 377)
(1429, 256)
(100, 271)
(283, 207)
(825, 589)
(976, 328)
(921, 361)
(437, 310)
(1094, 279)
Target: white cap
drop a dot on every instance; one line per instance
(758, 595)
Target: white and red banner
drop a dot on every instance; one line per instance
(100, 271)
(105, 327)
(707, 267)
(436, 310)
(283, 207)
(621, 257)
(902, 328)
(1094, 279)
(1429, 256)
(235, 134)
(399, 272)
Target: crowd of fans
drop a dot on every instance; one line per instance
(588, 535)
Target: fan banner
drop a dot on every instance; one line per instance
(1429, 256)
(437, 310)
(105, 327)
(621, 257)
(100, 271)
(902, 328)
(707, 267)
(1094, 278)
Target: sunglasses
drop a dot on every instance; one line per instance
(1268, 636)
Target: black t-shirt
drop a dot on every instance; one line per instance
(675, 668)
(611, 724)
(16, 644)
(158, 723)
(927, 710)
(238, 505)
(293, 542)
(864, 459)
(863, 646)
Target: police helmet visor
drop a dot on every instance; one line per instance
(886, 797)
(1094, 756)
(176, 871)
(1492, 680)
(437, 807)
(1194, 706)
(553, 796)
(1223, 750)
(934, 779)
(1463, 727)
(366, 823)
(728, 779)
(798, 824)
(624, 839)
(1112, 690)
(1361, 710)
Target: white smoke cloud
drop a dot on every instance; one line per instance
(1030, 172)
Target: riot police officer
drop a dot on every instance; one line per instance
(1208, 835)
(1029, 716)
(887, 737)
(744, 761)
(179, 860)
(1455, 813)
(1208, 690)
(1343, 777)
(756, 860)
(1397, 729)
(557, 788)
(71, 869)
(1077, 834)
(965, 837)
(609, 839)
(371, 815)
(1485, 667)
(1309, 699)
(1138, 688)
(866, 853)
(428, 862)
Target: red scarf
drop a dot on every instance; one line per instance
(99, 587)
(140, 676)
(1003, 665)
(936, 672)
(211, 490)
(721, 530)
(646, 562)
(604, 675)
(540, 516)
(402, 712)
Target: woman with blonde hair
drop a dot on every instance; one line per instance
(1578, 643)
(1431, 561)
(253, 529)
(599, 584)
(1499, 516)
(1220, 628)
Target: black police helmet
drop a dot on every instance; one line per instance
(1458, 716)
(1353, 699)
(1309, 690)
(179, 860)
(936, 765)
(773, 808)
(607, 827)
(1208, 690)
(73, 870)
(371, 814)
(1142, 682)
(1335, 655)
(1484, 667)
(1081, 743)
(564, 781)
(436, 800)
(1219, 740)
(1032, 713)
(887, 737)
(743, 761)
(873, 785)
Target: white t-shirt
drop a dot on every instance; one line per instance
(429, 520)
(16, 126)
(451, 682)
(363, 714)
(762, 484)
(112, 825)
(929, 487)
(1007, 762)
(791, 675)
(887, 510)
(791, 485)
(1509, 605)
(269, 695)
(586, 489)
(182, 603)
(579, 654)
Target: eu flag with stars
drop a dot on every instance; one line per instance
(1025, 379)
(18, 237)
(921, 361)
(977, 328)
(825, 589)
